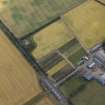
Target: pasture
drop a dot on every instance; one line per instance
(87, 22)
(51, 38)
(83, 92)
(25, 16)
(18, 81)
(73, 51)
(73, 86)
(93, 94)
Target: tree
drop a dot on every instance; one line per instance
(29, 44)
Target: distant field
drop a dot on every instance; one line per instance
(73, 51)
(62, 72)
(72, 86)
(88, 23)
(51, 38)
(56, 68)
(25, 16)
(83, 92)
(93, 94)
(46, 101)
(18, 81)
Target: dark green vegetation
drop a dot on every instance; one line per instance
(26, 16)
(76, 56)
(83, 92)
(63, 72)
(93, 94)
(73, 51)
(73, 86)
(49, 61)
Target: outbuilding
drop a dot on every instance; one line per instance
(102, 79)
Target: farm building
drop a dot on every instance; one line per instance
(88, 76)
(102, 79)
(100, 55)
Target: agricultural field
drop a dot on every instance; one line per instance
(35, 99)
(45, 101)
(50, 60)
(73, 51)
(62, 72)
(25, 16)
(87, 22)
(72, 86)
(18, 81)
(51, 38)
(40, 99)
(56, 68)
(83, 92)
(93, 94)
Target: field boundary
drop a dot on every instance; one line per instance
(22, 50)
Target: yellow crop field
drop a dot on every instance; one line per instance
(88, 23)
(46, 101)
(57, 68)
(2, 4)
(51, 38)
(18, 81)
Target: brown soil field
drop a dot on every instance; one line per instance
(18, 81)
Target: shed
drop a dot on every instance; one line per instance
(88, 76)
(102, 79)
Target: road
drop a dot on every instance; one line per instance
(47, 83)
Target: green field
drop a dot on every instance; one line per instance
(93, 94)
(83, 92)
(72, 86)
(25, 16)
(51, 38)
(77, 55)
(73, 51)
